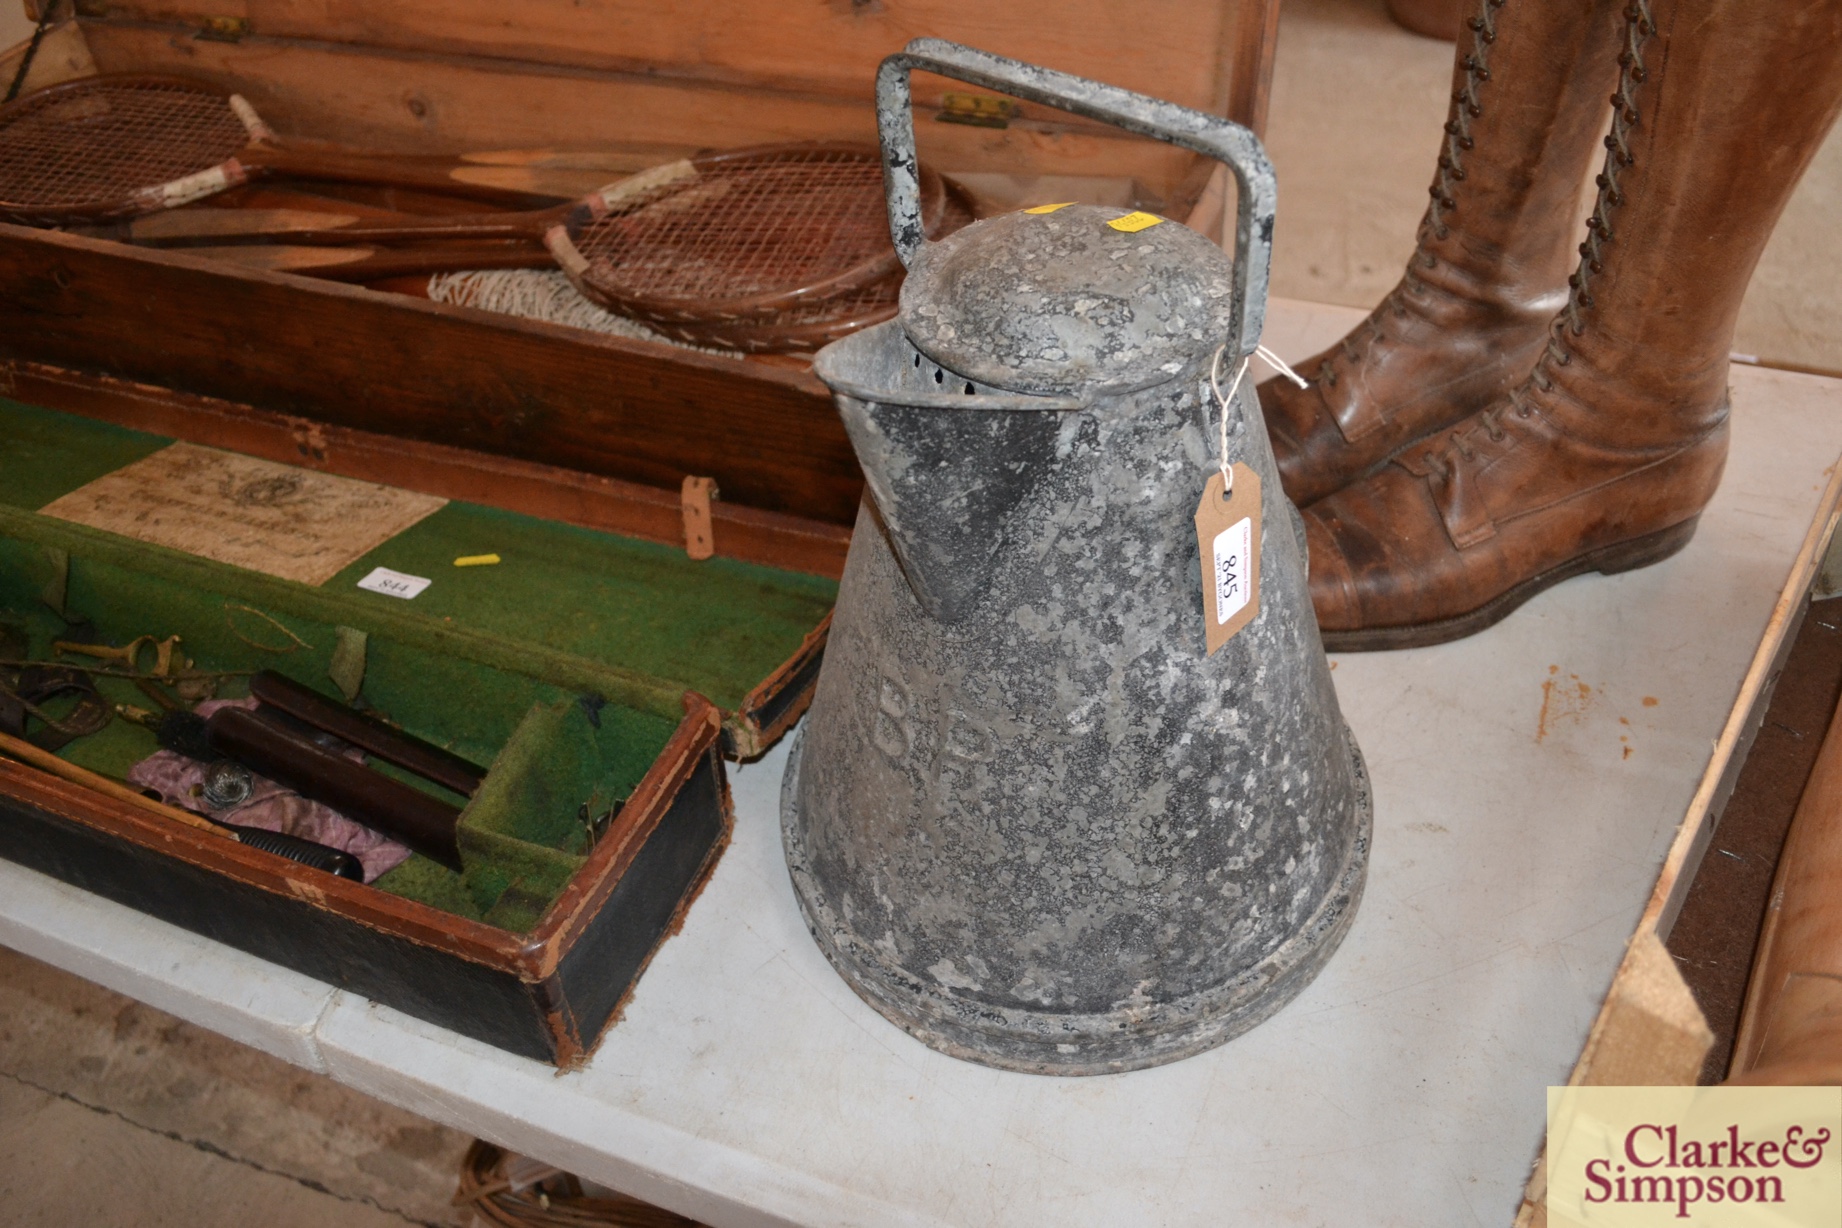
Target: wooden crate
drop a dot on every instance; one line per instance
(444, 76)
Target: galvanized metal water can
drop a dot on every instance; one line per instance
(1029, 818)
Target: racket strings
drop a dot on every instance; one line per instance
(101, 144)
(763, 228)
(810, 324)
(801, 329)
(880, 297)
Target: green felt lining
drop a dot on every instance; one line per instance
(718, 626)
(520, 839)
(490, 662)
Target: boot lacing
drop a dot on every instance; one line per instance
(1458, 142)
(1465, 108)
(1639, 26)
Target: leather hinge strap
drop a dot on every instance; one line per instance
(694, 498)
(22, 695)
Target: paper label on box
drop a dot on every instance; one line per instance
(394, 583)
(272, 518)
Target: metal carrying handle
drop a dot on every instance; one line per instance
(1235, 147)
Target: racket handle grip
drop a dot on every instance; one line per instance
(329, 162)
(306, 852)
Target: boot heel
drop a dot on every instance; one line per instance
(1643, 551)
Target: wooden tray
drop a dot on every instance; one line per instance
(545, 980)
(442, 76)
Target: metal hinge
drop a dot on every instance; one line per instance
(979, 110)
(224, 29)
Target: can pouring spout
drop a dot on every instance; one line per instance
(947, 463)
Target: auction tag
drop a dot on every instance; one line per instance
(1228, 540)
(402, 584)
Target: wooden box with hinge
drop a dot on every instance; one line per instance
(557, 98)
(592, 681)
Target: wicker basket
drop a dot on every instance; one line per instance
(511, 1190)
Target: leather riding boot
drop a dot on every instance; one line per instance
(1465, 322)
(1603, 458)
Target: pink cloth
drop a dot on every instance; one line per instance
(180, 782)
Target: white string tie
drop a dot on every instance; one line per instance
(1278, 364)
(1240, 373)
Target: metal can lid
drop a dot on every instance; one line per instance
(1070, 298)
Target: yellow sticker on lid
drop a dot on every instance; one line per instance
(1048, 208)
(1132, 223)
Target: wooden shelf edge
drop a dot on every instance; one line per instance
(1649, 1030)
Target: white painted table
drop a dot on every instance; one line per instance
(1527, 783)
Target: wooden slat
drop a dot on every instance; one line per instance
(399, 366)
(440, 103)
(1736, 736)
(1247, 79)
(1176, 49)
(1788, 1032)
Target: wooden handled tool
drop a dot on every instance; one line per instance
(368, 264)
(121, 146)
(562, 175)
(779, 237)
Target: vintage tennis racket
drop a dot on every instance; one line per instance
(768, 248)
(801, 329)
(740, 236)
(722, 237)
(111, 147)
(811, 323)
(802, 326)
